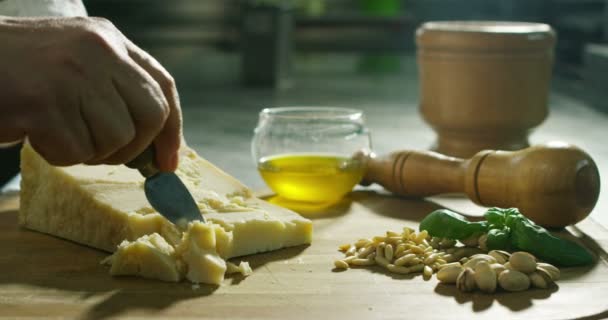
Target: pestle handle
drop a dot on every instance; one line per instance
(417, 173)
(554, 184)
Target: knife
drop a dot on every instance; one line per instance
(165, 191)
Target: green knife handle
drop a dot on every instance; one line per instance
(145, 162)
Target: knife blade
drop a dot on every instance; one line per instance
(165, 191)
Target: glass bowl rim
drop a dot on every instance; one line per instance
(317, 112)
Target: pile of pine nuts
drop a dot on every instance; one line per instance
(464, 264)
(403, 253)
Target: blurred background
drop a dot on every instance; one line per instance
(219, 28)
(232, 58)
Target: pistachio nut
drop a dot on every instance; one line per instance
(498, 268)
(475, 259)
(501, 256)
(540, 279)
(513, 280)
(485, 277)
(553, 270)
(523, 261)
(466, 280)
(449, 272)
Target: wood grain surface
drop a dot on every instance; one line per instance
(43, 276)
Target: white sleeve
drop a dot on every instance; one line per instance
(42, 8)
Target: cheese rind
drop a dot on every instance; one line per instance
(102, 206)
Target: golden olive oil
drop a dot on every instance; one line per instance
(310, 177)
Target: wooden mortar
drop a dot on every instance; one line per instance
(484, 85)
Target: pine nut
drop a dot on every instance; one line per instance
(417, 250)
(403, 253)
(344, 247)
(421, 236)
(407, 259)
(451, 264)
(398, 269)
(380, 250)
(341, 264)
(400, 248)
(430, 259)
(351, 251)
(349, 259)
(394, 240)
(427, 273)
(381, 260)
(366, 251)
(362, 243)
(392, 234)
(378, 239)
(388, 252)
(362, 262)
(417, 267)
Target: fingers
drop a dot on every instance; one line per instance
(62, 138)
(168, 140)
(109, 122)
(146, 104)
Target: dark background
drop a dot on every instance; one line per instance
(341, 25)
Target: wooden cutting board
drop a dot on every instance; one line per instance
(43, 276)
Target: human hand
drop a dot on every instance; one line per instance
(81, 92)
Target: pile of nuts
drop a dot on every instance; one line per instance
(403, 253)
(466, 266)
(512, 272)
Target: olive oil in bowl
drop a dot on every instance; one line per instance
(314, 178)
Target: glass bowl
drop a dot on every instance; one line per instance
(307, 154)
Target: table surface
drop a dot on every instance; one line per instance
(43, 276)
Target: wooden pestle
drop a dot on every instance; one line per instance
(554, 184)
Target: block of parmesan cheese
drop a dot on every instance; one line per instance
(105, 207)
